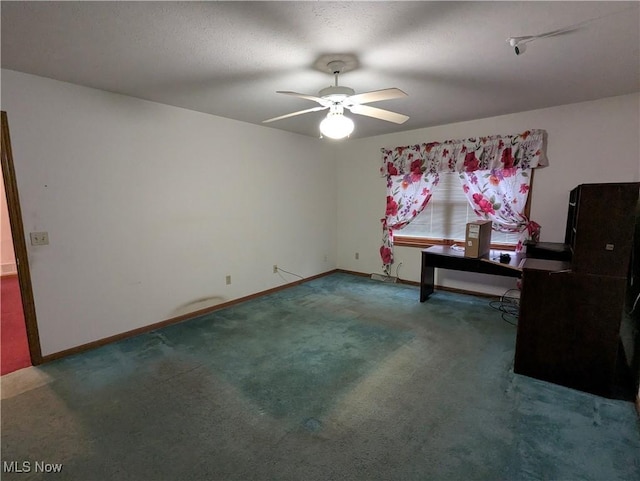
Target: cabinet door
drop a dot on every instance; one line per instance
(568, 331)
(544, 325)
(572, 217)
(604, 228)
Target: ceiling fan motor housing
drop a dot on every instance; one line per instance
(336, 93)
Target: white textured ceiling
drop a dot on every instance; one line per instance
(229, 58)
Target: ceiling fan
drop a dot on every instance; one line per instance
(336, 98)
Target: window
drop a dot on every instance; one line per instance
(445, 218)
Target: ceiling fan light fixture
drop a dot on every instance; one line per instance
(336, 98)
(336, 126)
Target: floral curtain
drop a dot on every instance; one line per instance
(407, 196)
(500, 195)
(493, 153)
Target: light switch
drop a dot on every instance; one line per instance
(39, 238)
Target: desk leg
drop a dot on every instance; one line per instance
(427, 277)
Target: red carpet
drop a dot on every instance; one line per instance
(14, 353)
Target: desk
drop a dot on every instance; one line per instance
(446, 257)
(549, 250)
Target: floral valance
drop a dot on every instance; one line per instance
(524, 151)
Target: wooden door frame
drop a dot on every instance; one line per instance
(19, 244)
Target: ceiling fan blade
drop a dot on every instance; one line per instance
(379, 114)
(303, 96)
(376, 96)
(314, 109)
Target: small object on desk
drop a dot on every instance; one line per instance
(505, 258)
(478, 238)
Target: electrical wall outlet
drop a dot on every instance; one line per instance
(39, 238)
(275, 269)
(228, 280)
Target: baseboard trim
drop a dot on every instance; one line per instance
(417, 284)
(9, 269)
(353, 273)
(363, 274)
(463, 291)
(175, 320)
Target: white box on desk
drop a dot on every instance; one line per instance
(477, 241)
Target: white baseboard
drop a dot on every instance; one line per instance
(8, 269)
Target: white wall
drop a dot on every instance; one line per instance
(148, 207)
(587, 142)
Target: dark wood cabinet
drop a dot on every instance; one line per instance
(600, 223)
(568, 330)
(571, 312)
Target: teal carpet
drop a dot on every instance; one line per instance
(339, 378)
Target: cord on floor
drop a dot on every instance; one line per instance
(509, 306)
